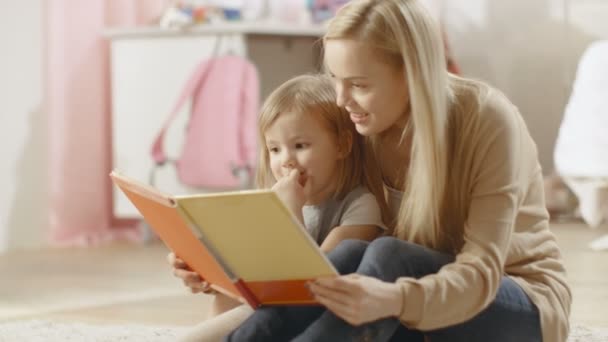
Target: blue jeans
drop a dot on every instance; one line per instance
(510, 317)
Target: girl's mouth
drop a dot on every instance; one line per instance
(302, 178)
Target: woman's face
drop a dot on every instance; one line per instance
(373, 91)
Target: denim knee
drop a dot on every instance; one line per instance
(389, 248)
(389, 258)
(347, 255)
(350, 246)
(386, 248)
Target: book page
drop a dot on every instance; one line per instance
(160, 213)
(256, 236)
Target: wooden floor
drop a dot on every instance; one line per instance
(133, 284)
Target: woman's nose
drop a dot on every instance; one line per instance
(341, 96)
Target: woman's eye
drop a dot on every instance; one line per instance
(357, 85)
(273, 149)
(301, 145)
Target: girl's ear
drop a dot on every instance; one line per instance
(345, 144)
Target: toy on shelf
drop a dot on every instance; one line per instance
(181, 15)
(322, 10)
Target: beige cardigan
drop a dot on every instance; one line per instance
(503, 227)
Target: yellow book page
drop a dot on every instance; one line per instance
(256, 236)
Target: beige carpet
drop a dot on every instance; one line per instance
(43, 331)
(48, 331)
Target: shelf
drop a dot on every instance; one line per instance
(242, 27)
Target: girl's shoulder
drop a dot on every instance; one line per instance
(356, 199)
(360, 207)
(357, 193)
(353, 196)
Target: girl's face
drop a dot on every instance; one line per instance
(373, 91)
(302, 142)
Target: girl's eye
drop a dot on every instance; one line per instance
(357, 85)
(273, 149)
(301, 145)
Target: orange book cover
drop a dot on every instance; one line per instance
(247, 244)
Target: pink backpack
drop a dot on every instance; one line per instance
(220, 145)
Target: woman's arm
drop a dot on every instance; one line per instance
(363, 232)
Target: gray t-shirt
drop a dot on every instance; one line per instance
(393, 200)
(359, 207)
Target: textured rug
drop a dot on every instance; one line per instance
(47, 331)
(584, 334)
(43, 331)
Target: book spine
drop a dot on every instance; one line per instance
(247, 294)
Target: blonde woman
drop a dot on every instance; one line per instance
(472, 257)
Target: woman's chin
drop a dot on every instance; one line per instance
(365, 130)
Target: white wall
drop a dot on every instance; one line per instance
(23, 136)
(529, 49)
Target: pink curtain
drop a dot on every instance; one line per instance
(77, 92)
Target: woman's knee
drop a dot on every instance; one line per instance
(350, 246)
(387, 247)
(390, 247)
(388, 258)
(347, 255)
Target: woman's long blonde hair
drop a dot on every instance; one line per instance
(315, 95)
(404, 31)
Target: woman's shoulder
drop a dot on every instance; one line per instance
(486, 106)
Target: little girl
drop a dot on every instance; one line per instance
(308, 143)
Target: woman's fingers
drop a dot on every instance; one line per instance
(340, 306)
(345, 283)
(340, 295)
(329, 290)
(326, 296)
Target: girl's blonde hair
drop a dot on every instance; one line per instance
(315, 95)
(404, 33)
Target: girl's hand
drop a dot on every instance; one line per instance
(292, 191)
(358, 299)
(191, 279)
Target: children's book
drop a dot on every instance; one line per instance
(246, 244)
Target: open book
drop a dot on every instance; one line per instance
(246, 244)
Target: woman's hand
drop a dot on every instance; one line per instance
(292, 190)
(191, 279)
(358, 299)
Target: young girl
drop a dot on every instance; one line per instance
(473, 258)
(313, 158)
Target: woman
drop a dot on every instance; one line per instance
(472, 257)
